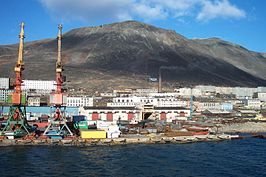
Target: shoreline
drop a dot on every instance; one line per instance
(117, 141)
(227, 131)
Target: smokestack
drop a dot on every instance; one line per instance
(160, 81)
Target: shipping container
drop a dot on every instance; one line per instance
(98, 134)
(22, 99)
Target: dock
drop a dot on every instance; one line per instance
(117, 141)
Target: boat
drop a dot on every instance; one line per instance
(200, 133)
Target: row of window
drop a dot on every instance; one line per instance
(103, 112)
(146, 100)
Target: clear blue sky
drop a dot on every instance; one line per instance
(239, 21)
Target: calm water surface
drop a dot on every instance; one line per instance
(241, 158)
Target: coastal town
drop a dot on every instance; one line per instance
(196, 113)
(42, 111)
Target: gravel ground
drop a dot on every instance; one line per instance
(248, 127)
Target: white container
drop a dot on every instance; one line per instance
(113, 131)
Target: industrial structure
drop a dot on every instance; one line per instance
(17, 124)
(58, 125)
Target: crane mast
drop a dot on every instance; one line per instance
(59, 67)
(58, 126)
(16, 97)
(17, 124)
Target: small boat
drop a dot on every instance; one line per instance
(200, 133)
(259, 136)
(197, 129)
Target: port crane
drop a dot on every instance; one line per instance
(17, 125)
(58, 125)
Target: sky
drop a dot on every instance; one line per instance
(238, 21)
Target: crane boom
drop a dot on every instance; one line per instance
(17, 123)
(16, 97)
(59, 67)
(58, 126)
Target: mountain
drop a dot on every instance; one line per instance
(123, 55)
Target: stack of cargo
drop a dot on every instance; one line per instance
(93, 134)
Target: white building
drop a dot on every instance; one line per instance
(224, 90)
(253, 104)
(201, 106)
(261, 89)
(4, 83)
(135, 101)
(188, 92)
(79, 101)
(110, 114)
(38, 85)
(167, 94)
(34, 101)
(131, 113)
(262, 96)
(4, 94)
(171, 102)
(244, 92)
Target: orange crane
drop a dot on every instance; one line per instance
(58, 125)
(17, 124)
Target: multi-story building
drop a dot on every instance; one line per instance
(208, 106)
(4, 83)
(262, 96)
(155, 101)
(188, 92)
(79, 101)
(224, 90)
(253, 104)
(134, 114)
(46, 86)
(244, 92)
(4, 94)
(226, 106)
(34, 101)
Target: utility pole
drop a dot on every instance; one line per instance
(160, 80)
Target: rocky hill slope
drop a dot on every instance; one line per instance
(125, 54)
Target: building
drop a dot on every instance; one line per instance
(39, 85)
(171, 102)
(79, 101)
(34, 101)
(244, 92)
(253, 104)
(188, 92)
(226, 106)
(155, 101)
(208, 106)
(224, 90)
(110, 113)
(135, 114)
(4, 94)
(262, 96)
(4, 83)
